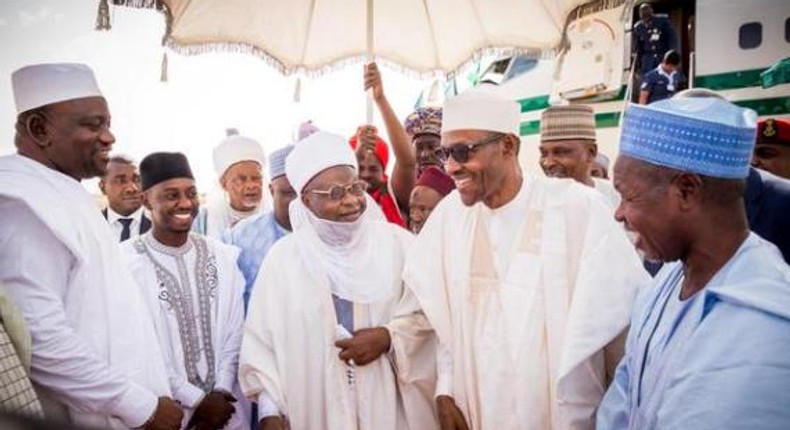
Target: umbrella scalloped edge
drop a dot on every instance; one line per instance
(242, 48)
(249, 49)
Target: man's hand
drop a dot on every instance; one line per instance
(213, 412)
(167, 416)
(450, 417)
(367, 345)
(366, 140)
(373, 82)
(272, 423)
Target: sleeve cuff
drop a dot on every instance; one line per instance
(266, 408)
(188, 395)
(135, 406)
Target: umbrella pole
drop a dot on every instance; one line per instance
(369, 92)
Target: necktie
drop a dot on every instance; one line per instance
(126, 223)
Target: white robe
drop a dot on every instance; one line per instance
(223, 285)
(526, 346)
(95, 356)
(606, 188)
(288, 353)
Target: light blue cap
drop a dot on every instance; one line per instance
(707, 136)
(277, 161)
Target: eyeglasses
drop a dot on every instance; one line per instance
(337, 192)
(461, 151)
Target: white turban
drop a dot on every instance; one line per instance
(236, 149)
(314, 154)
(43, 84)
(477, 110)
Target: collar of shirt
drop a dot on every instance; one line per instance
(136, 216)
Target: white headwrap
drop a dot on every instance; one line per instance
(356, 262)
(220, 216)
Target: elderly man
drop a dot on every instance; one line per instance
(239, 163)
(194, 290)
(716, 324)
(95, 356)
(568, 148)
(257, 234)
(316, 348)
(124, 211)
(432, 186)
(527, 283)
(772, 152)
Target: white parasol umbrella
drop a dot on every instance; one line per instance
(312, 36)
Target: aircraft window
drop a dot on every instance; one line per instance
(787, 30)
(750, 35)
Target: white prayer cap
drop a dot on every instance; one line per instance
(43, 84)
(477, 110)
(235, 149)
(314, 154)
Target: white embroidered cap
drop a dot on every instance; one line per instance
(476, 110)
(43, 84)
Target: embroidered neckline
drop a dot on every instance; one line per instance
(174, 251)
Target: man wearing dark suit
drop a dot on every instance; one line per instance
(767, 207)
(124, 209)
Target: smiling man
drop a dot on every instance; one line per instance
(527, 282)
(716, 323)
(124, 211)
(568, 148)
(94, 357)
(317, 345)
(194, 289)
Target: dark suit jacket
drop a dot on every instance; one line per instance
(767, 201)
(145, 223)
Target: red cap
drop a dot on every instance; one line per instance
(433, 177)
(774, 130)
(382, 152)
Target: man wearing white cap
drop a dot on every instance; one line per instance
(239, 163)
(95, 356)
(527, 282)
(254, 236)
(317, 339)
(709, 344)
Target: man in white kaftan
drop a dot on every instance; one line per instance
(527, 282)
(95, 359)
(315, 353)
(194, 290)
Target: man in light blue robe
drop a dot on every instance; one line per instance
(256, 235)
(709, 342)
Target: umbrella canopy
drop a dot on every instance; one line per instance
(311, 36)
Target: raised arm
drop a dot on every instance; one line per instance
(404, 171)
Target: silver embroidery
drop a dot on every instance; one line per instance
(178, 296)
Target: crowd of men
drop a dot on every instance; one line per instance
(456, 293)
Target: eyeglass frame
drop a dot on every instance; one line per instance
(445, 153)
(346, 190)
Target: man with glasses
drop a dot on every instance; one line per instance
(528, 283)
(124, 211)
(316, 352)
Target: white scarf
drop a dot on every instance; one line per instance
(354, 259)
